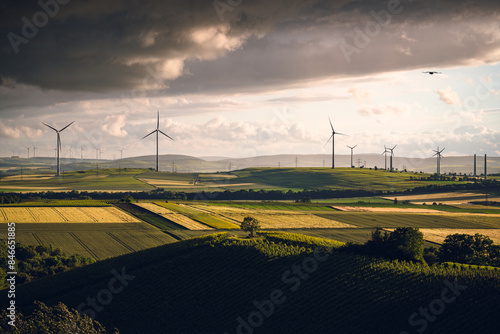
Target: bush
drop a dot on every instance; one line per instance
(405, 243)
(463, 248)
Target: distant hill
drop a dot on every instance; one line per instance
(189, 164)
(216, 284)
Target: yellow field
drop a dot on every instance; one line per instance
(446, 198)
(64, 215)
(174, 216)
(270, 219)
(371, 209)
(439, 234)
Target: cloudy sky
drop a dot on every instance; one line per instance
(242, 78)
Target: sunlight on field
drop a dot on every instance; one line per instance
(64, 215)
(374, 209)
(271, 219)
(439, 234)
(174, 216)
(446, 198)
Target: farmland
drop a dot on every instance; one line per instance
(252, 178)
(174, 216)
(64, 215)
(98, 241)
(203, 286)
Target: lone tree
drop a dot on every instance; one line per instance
(251, 225)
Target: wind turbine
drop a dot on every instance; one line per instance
(34, 151)
(352, 148)
(385, 158)
(333, 142)
(438, 154)
(392, 154)
(82, 148)
(28, 148)
(157, 131)
(58, 144)
(121, 153)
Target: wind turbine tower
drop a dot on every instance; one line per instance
(475, 164)
(58, 148)
(157, 131)
(333, 142)
(385, 157)
(485, 171)
(352, 148)
(438, 155)
(392, 154)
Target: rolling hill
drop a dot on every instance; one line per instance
(218, 284)
(188, 164)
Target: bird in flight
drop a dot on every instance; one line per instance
(432, 72)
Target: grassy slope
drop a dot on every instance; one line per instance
(203, 285)
(102, 180)
(256, 178)
(326, 178)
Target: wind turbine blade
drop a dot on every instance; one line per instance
(355, 146)
(163, 133)
(338, 133)
(328, 140)
(149, 134)
(49, 126)
(158, 120)
(394, 147)
(66, 126)
(442, 150)
(331, 124)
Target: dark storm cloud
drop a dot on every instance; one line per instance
(176, 47)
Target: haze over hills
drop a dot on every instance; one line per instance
(184, 163)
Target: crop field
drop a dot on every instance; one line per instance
(445, 198)
(199, 215)
(64, 215)
(439, 234)
(422, 220)
(98, 241)
(92, 180)
(349, 293)
(174, 216)
(56, 203)
(273, 206)
(274, 219)
(327, 178)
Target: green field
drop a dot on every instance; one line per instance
(273, 206)
(205, 285)
(60, 203)
(98, 241)
(251, 178)
(327, 178)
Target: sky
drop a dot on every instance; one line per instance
(240, 78)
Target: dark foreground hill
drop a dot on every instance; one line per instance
(216, 284)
